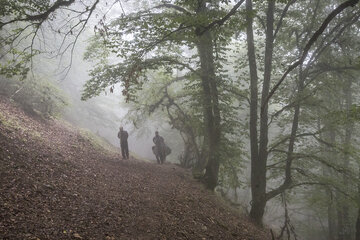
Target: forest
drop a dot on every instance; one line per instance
(257, 99)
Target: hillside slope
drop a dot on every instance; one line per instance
(58, 182)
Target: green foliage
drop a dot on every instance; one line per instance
(151, 39)
(232, 163)
(22, 8)
(178, 101)
(17, 47)
(344, 116)
(38, 95)
(150, 47)
(16, 66)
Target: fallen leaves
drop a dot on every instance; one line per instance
(59, 186)
(76, 235)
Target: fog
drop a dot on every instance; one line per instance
(104, 114)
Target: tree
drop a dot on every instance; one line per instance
(162, 30)
(259, 140)
(190, 38)
(321, 155)
(25, 28)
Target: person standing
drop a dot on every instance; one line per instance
(159, 149)
(123, 136)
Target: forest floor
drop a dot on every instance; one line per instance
(59, 182)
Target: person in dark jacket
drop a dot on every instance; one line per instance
(123, 136)
(159, 148)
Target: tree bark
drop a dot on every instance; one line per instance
(357, 235)
(259, 152)
(182, 124)
(343, 221)
(331, 217)
(331, 212)
(340, 219)
(210, 102)
(357, 226)
(255, 183)
(330, 137)
(346, 231)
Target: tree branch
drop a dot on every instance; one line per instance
(77, 36)
(43, 16)
(324, 46)
(238, 93)
(275, 145)
(173, 6)
(262, 22)
(316, 35)
(283, 14)
(222, 20)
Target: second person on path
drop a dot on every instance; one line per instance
(160, 148)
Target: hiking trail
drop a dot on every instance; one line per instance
(59, 182)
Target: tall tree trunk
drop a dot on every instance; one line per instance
(346, 231)
(331, 216)
(256, 188)
(357, 228)
(294, 128)
(259, 152)
(210, 104)
(343, 227)
(340, 218)
(212, 168)
(330, 137)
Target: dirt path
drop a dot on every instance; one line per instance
(58, 183)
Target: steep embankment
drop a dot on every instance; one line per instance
(57, 182)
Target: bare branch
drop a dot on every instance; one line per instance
(81, 30)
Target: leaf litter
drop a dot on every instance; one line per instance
(57, 184)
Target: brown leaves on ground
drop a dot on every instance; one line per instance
(56, 184)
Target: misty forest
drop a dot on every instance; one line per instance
(241, 118)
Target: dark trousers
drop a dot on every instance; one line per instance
(124, 150)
